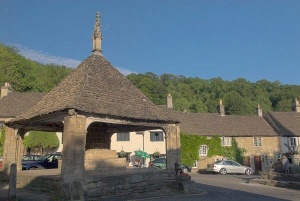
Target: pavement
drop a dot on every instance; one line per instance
(23, 194)
(29, 195)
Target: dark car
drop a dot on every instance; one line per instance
(160, 163)
(30, 157)
(49, 161)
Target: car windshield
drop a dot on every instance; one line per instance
(44, 157)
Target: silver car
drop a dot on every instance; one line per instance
(228, 166)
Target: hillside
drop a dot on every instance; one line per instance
(27, 75)
(189, 94)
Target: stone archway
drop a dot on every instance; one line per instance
(98, 136)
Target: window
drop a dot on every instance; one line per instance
(123, 137)
(293, 141)
(203, 150)
(226, 141)
(257, 141)
(195, 164)
(156, 136)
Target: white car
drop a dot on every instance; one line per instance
(228, 166)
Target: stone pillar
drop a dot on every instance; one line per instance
(19, 148)
(172, 145)
(72, 170)
(10, 149)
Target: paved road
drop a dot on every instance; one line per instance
(231, 187)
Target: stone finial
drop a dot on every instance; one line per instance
(169, 102)
(259, 110)
(97, 36)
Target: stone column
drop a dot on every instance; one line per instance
(172, 145)
(10, 149)
(19, 148)
(72, 170)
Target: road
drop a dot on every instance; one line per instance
(231, 187)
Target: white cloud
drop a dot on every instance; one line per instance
(125, 71)
(44, 58)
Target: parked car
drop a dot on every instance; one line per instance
(160, 163)
(30, 157)
(49, 161)
(228, 166)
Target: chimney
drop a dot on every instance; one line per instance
(169, 102)
(221, 108)
(295, 105)
(5, 89)
(259, 110)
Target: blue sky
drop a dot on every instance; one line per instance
(251, 39)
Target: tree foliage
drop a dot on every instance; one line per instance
(41, 141)
(27, 75)
(2, 138)
(239, 96)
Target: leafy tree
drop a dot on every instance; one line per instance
(27, 75)
(41, 141)
(2, 138)
(236, 104)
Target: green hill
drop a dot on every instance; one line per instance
(27, 75)
(189, 94)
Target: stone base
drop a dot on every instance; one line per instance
(183, 183)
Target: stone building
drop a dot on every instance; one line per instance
(88, 106)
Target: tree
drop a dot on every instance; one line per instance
(2, 138)
(41, 141)
(237, 105)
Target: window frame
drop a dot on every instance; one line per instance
(157, 138)
(203, 150)
(226, 141)
(123, 137)
(294, 140)
(257, 141)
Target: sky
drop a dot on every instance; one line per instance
(250, 39)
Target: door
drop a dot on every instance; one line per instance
(257, 162)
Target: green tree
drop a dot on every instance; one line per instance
(2, 138)
(237, 105)
(41, 141)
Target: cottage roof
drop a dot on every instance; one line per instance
(210, 124)
(16, 103)
(285, 123)
(97, 87)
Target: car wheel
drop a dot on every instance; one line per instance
(223, 171)
(248, 172)
(33, 168)
(184, 170)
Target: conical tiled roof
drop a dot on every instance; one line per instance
(97, 87)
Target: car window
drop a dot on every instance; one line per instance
(227, 162)
(235, 163)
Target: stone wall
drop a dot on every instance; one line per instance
(136, 182)
(103, 159)
(270, 146)
(102, 184)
